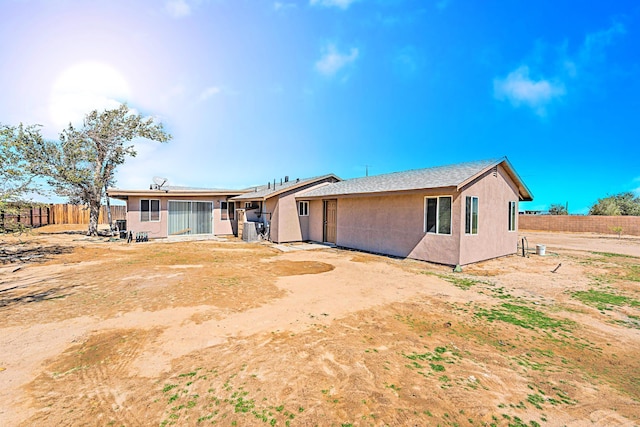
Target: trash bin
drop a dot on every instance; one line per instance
(540, 250)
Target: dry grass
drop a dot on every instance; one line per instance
(514, 346)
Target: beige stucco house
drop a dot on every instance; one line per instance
(274, 206)
(456, 215)
(179, 211)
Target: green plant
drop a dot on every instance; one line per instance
(603, 300)
(522, 316)
(617, 230)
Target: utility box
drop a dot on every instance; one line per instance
(250, 232)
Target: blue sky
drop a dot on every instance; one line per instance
(254, 90)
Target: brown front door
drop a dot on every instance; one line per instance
(330, 220)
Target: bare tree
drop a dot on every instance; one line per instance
(558, 209)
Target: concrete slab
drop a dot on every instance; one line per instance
(301, 246)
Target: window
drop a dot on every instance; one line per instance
(303, 208)
(223, 211)
(231, 211)
(252, 206)
(512, 216)
(471, 215)
(149, 210)
(437, 215)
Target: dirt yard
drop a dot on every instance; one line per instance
(97, 332)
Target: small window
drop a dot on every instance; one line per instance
(223, 211)
(149, 210)
(512, 215)
(471, 215)
(437, 215)
(251, 205)
(303, 208)
(231, 210)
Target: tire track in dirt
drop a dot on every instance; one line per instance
(98, 370)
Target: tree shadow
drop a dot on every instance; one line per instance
(49, 294)
(68, 232)
(22, 254)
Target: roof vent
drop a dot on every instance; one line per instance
(297, 179)
(268, 185)
(286, 178)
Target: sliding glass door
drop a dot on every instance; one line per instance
(187, 218)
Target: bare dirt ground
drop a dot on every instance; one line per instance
(98, 332)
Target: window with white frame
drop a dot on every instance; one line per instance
(437, 215)
(247, 205)
(471, 215)
(513, 215)
(303, 208)
(149, 210)
(223, 211)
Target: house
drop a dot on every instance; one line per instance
(169, 211)
(179, 211)
(456, 215)
(274, 206)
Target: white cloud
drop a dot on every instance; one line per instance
(341, 4)
(209, 92)
(177, 8)
(333, 61)
(595, 43)
(519, 88)
(407, 61)
(280, 6)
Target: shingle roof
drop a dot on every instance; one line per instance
(434, 177)
(264, 192)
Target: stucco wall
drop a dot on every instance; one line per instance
(158, 229)
(286, 224)
(221, 226)
(392, 224)
(494, 239)
(272, 217)
(315, 221)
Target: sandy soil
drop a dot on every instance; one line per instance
(97, 332)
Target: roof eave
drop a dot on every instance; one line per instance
(292, 187)
(524, 193)
(447, 189)
(125, 194)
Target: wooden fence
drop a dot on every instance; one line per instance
(630, 225)
(57, 214)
